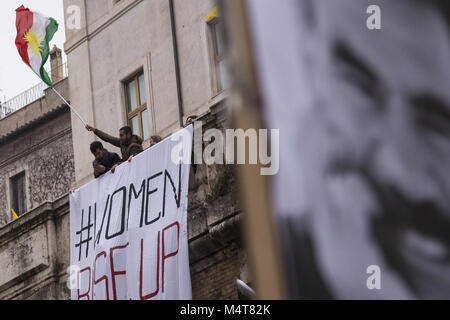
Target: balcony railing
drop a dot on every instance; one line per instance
(28, 96)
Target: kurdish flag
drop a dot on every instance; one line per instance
(34, 32)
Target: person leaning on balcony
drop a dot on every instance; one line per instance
(154, 140)
(190, 120)
(104, 160)
(130, 144)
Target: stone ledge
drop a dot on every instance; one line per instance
(32, 286)
(24, 258)
(25, 254)
(22, 277)
(196, 223)
(33, 219)
(45, 105)
(215, 240)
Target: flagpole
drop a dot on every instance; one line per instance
(65, 101)
(68, 104)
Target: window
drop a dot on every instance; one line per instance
(216, 32)
(136, 101)
(18, 194)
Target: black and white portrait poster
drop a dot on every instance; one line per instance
(360, 91)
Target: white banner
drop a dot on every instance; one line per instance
(128, 230)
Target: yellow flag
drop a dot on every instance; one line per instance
(214, 13)
(14, 215)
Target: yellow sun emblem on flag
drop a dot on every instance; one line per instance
(34, 40)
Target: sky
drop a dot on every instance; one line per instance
(15, 76)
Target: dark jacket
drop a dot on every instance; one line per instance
(132, 148)
(108, 161)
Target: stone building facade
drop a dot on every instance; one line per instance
(36, 142)
(118, 41)
(216, 254)
(110, 42)
(34, 250)
(172, 54)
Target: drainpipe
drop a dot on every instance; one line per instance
(177, 64)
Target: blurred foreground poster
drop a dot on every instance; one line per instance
(360, 92)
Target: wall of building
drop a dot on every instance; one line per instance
(114, 42)
(217, 257)
(34, 254)
(218, 281)
(117, 40)
(35, 249)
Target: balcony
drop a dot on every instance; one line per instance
(32, 94)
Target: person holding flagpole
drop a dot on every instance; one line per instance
(130, 144)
